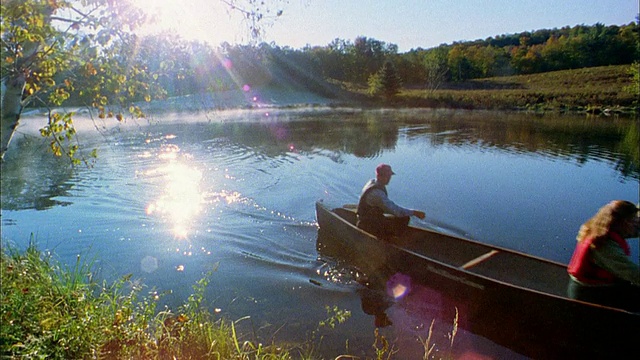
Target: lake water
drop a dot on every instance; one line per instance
(174, 196)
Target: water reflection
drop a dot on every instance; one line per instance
(180, 199)
(366, 134)
(565, 137)
(32, 178)
(336, 133)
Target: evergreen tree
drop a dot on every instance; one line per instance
(390, 82)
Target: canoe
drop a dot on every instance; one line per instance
(517, 300)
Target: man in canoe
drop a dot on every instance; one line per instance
(601, 269)
(374, 204)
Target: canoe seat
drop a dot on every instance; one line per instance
(479, 259)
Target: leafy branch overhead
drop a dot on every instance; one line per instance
(54, 51)
(82, 53)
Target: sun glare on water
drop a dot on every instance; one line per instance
(180, 201)
(200, 20)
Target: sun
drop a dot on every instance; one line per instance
(193, 20)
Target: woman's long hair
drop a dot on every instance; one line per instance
(608, 218)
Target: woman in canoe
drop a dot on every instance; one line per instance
(601, 269)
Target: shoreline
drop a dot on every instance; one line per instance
(601, 91)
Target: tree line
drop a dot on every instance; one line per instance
(191, 67)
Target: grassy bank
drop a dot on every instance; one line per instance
(594, 90)
(53, 312)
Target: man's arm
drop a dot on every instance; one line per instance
(379, 199)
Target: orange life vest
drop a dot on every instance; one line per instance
(582, 267)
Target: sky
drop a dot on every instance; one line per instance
(409, 24)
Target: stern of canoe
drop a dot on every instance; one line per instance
(338, 237)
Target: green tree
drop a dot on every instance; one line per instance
(555, 54)
(410, 66)
(329, 60)
(367, 55)
(435, 64)
(459, 64)
(634, 87)
(385, 82)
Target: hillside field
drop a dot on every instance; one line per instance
(598, 89)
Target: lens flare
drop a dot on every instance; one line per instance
(149, 264)
(398, 285)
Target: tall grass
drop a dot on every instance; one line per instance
(53, 312)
